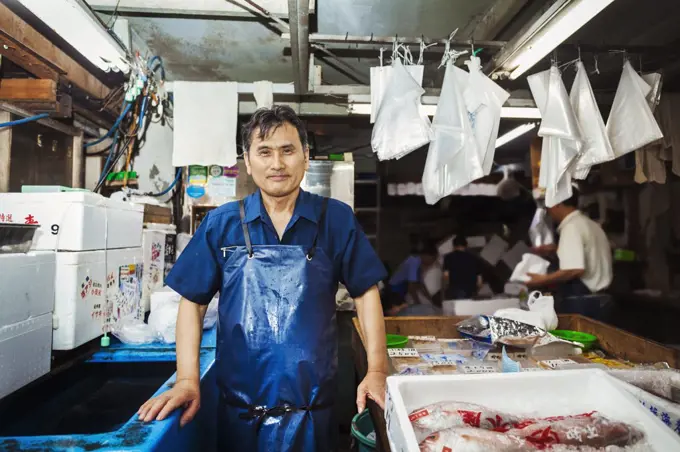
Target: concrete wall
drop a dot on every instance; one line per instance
(154, 163)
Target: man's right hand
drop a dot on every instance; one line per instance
(185, 393)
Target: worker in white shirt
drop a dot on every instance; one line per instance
(585, 260)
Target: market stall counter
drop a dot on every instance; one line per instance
(92, 406)
(617, 352)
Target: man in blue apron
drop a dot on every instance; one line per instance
(276, 258)
(585, 262)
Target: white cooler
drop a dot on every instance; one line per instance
(158, 243)
(76, 221)
(80, 303)
(27, 283)
(25, 352)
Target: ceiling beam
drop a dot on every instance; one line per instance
(298, 11)
(223, 8)
(28, 90)
(35, 45)
(382, 40)
(494, 19)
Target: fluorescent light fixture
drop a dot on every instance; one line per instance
(559, 25)
(430, 110)
(515, 133)
(76, 24)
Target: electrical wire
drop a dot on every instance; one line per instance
(125, 111)
(178, 174)
(24, 120)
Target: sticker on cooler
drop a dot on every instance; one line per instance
(444, 360)
(402, 352)
(422, 338)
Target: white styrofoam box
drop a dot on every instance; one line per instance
(530, 394)
(493, 250)
(124, 271)
(159, 255)
(478, 307)
(75, 221)
(125, 223)
(80, 300)
(25, 352)
(27, 283)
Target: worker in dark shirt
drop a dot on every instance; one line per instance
(462, 272)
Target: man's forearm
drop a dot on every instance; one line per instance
(562, 276)
(189, 332)
(369, 311)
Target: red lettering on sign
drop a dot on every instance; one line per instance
(30, 219)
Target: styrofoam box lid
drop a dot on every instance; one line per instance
(81, 197)
(549, 393)
(81, 257)
(157, 227)
(30, 258)
(120, 205)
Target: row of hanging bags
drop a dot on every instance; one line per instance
(401, 126)
(562, 142)
(465, 129)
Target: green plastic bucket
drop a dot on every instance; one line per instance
(362, 430)
(588, 340)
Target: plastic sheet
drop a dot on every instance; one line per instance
(164, 311)
(134, 332)
(631, 124)
(540, 230)
(530, 263)
(596, 146)
(400, 126)
(380, 77)
(453, 158)
(541, 313)
(484, 100)
(561, 135)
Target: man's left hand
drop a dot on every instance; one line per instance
(373, 387)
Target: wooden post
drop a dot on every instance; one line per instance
(78, 162)
(5, 151)
(535, 156)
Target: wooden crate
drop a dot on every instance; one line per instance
(157, 214)
(612, 340)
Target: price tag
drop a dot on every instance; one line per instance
(478, 369)
(496, 356)
(423, 338)
(402, 352)
(555, 363)
(531, 369)
(444, 360)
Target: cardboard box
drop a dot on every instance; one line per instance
(555, 393)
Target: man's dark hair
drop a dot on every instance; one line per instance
(573, 200)
(266, 120)
(460, 241)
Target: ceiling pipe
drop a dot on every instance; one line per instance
(298, 15)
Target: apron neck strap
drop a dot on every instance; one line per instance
(246, 234)
(312, 250)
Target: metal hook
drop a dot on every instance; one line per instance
(371, 40)
(346, 35)
(579, 53)
(597, 67)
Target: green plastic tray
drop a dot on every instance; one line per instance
(396, 341)
(588, 340)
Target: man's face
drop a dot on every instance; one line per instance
(278, 161)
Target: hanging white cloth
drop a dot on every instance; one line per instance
(631, 124)
(264, 94)
(596, 146)
(206, 116)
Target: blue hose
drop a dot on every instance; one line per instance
(171, 186)
(113, 129)
(24, 120)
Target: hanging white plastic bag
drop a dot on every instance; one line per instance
(631, 124)
(453, 158)
(484, 100)
(560, 132)
(380, 77)
(596, 146)
(530, 263)
(400, 126)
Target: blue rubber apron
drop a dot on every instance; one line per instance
(277, 348)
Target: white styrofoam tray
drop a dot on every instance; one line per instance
(25, 352)
(27, 285)
(478, 307)
(554, 393)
